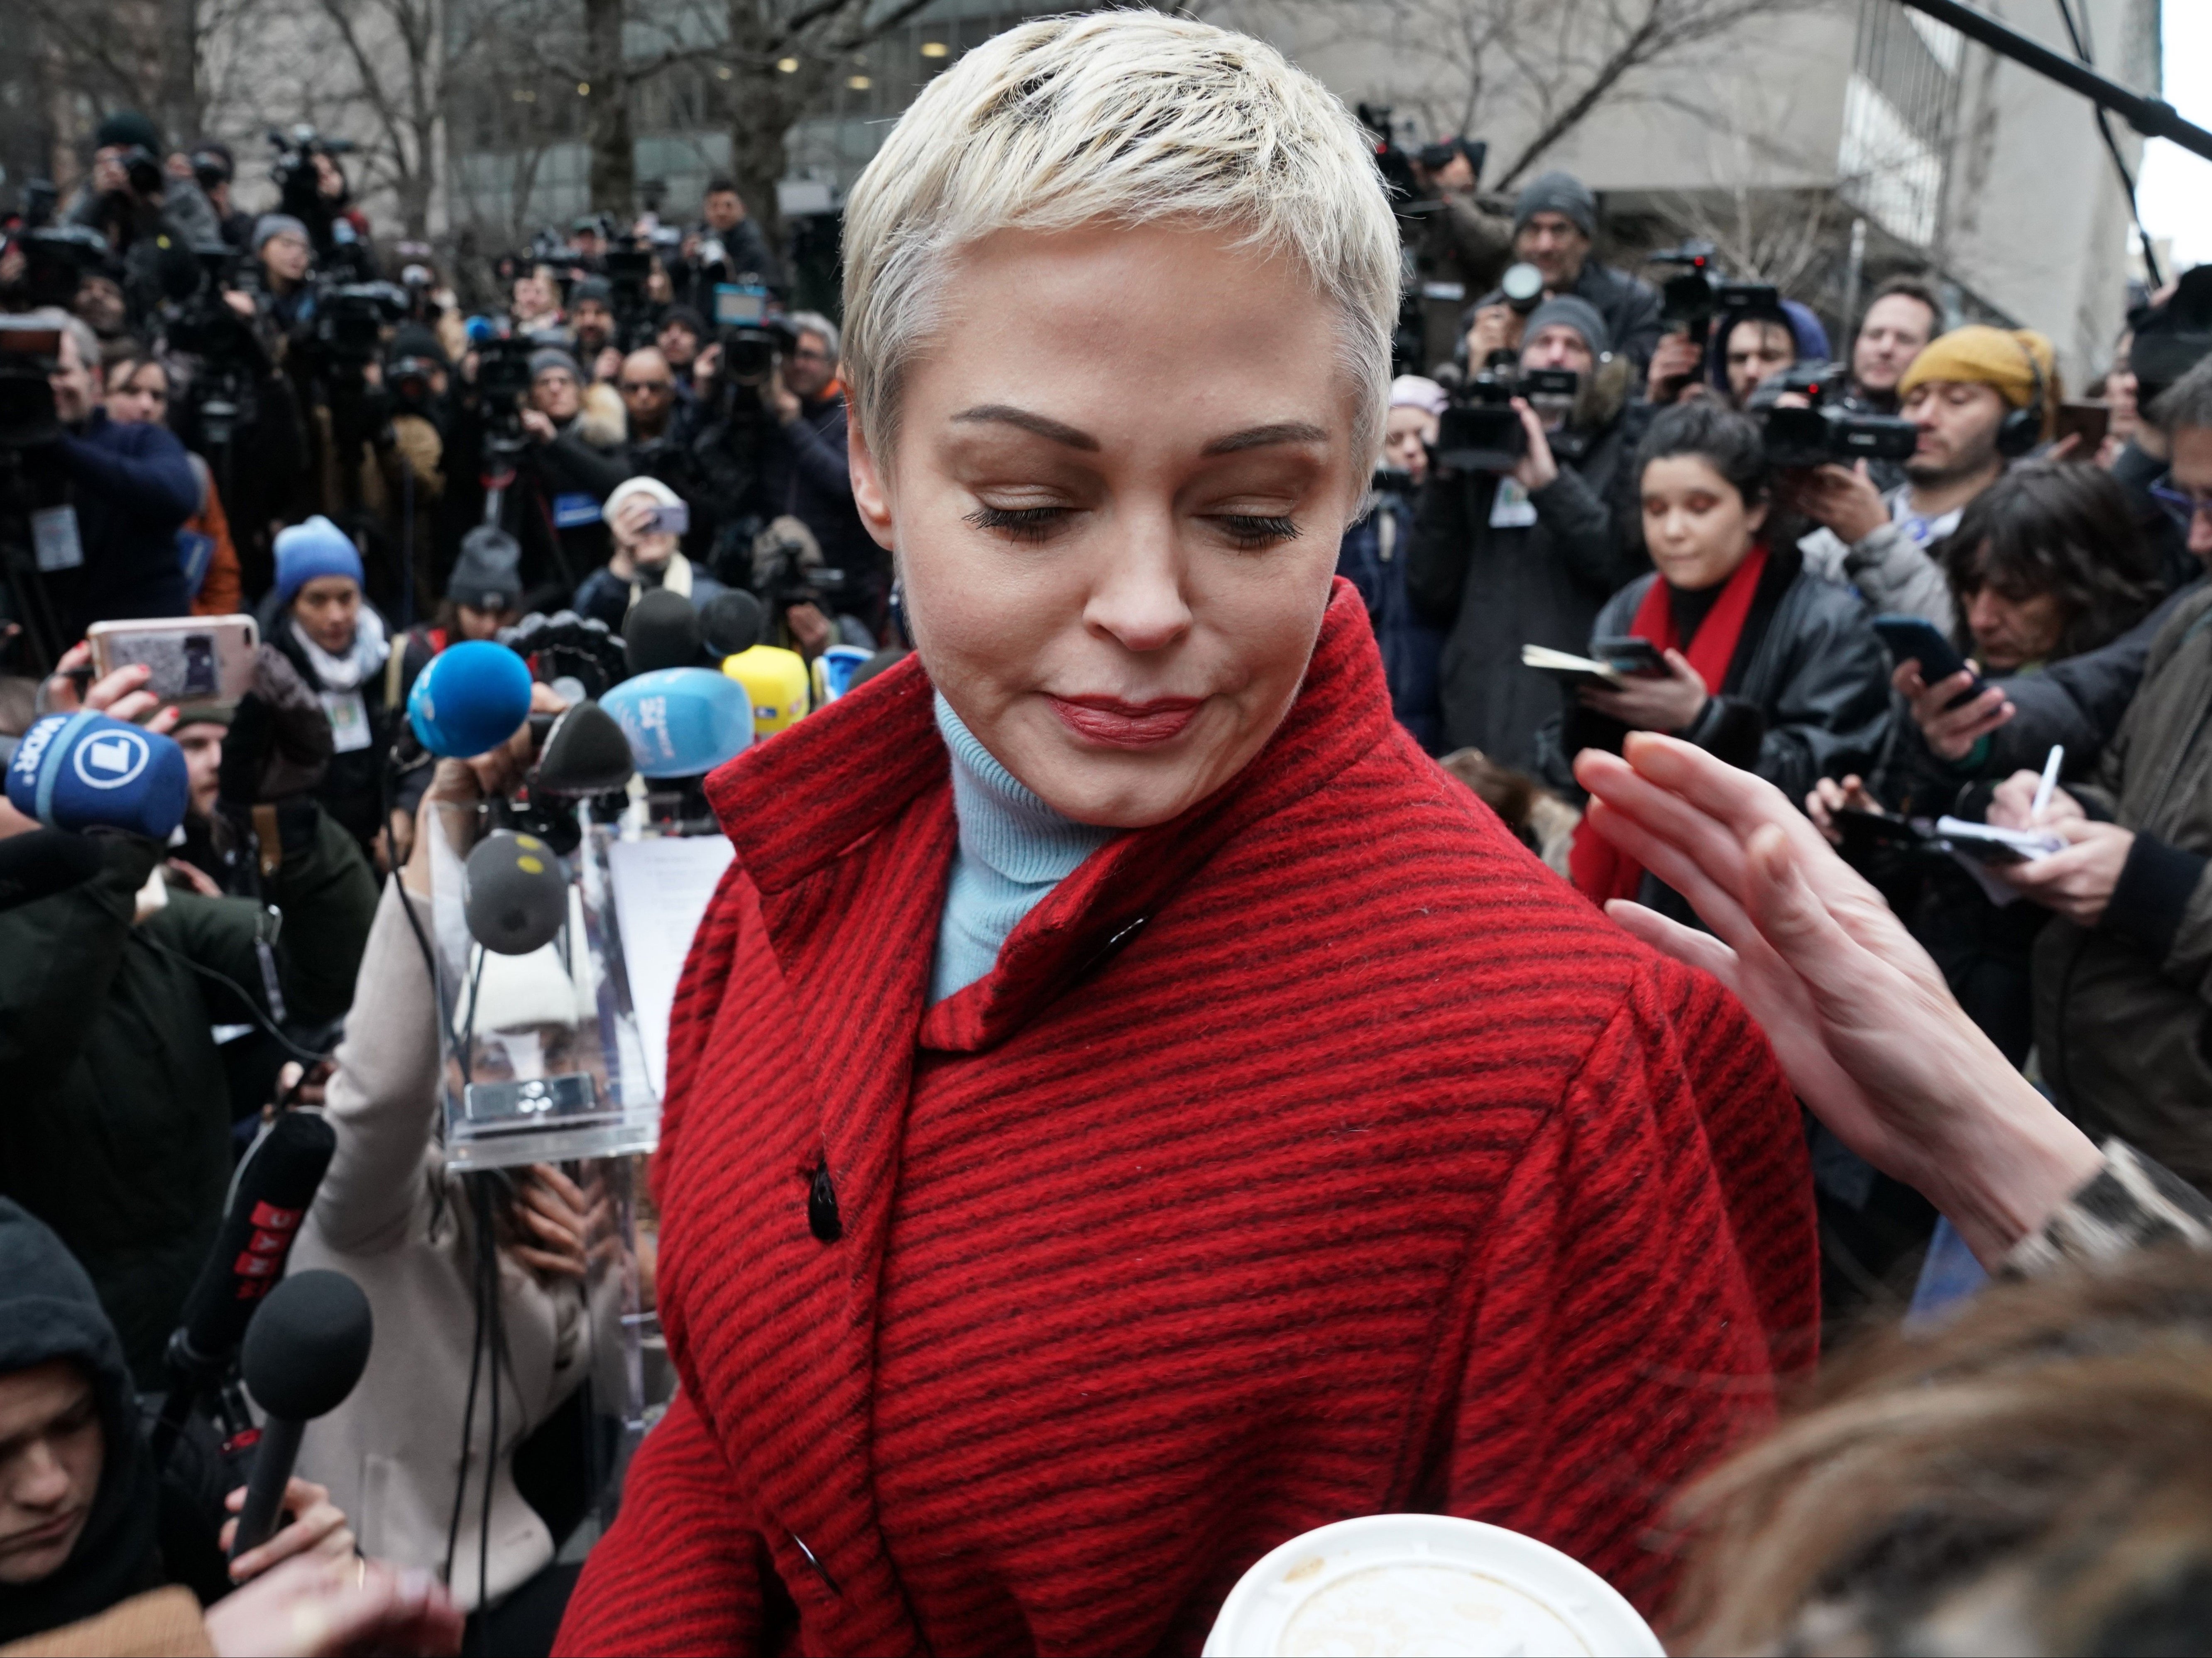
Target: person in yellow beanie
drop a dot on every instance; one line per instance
(1981, 396)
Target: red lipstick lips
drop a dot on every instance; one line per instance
(1114, 724)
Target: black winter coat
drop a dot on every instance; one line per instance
(117, 1130)
(1496, 589)
(1807, 695)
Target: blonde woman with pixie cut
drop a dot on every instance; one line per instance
(1126, 1105)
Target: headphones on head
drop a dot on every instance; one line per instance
(2021, 429)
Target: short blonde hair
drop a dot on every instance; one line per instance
(1120, 116)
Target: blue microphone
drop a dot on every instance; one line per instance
(682, 722)
(85, 770)
(471, 698)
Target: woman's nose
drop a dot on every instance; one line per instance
(1140, 600)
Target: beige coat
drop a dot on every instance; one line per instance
(389, 1217)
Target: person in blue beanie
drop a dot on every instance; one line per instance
(108, 550)
(316, 615)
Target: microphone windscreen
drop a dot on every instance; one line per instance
(85, 770)
(777, 681)
(682, 722)
(270, 1198)
(514, 894)
(307, 1345)
(834, 670)
(42, 863)
(584, 753)
(732, 622)
(471, 699)
(661, 631)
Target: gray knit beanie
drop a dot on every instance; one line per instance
(1556, 192)
(1575, 312)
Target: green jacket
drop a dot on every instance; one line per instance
(114, 1113)
(2124, 1010)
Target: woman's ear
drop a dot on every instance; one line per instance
(871, 493)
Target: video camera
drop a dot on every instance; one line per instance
(752, 333)
(1696, 297)
(222, 393)
(2173, 339)
(29, 351)
(298, 188)
(1482, 431)
(1827, 431)
(350, 319)
(56, 259)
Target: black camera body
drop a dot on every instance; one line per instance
(1699, 294)
(350, 319)
(143, 167)
(1482, 431)
(29, 351)
(503, 372)
(1830, 431)
(56, 259)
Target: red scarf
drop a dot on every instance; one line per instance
(1601, 870)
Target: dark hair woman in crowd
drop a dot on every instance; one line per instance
(1767, 665)
(2046, 563)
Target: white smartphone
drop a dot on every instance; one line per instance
(195, 659)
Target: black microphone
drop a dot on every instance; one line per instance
(43, 862)
(304, 1351)
(661, 631)
(732, 621)
(584, 753)
(514, 894)
(269, 1200)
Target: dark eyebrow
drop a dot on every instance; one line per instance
(1006, 414)
(1260, 437)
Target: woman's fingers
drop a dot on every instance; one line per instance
(1684, 944)
(1664, 814)
(555, 1265)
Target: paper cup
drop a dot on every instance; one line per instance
(1423, 1583)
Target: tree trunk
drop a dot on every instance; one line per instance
(764, 102)
(607, 129)
(176, 94)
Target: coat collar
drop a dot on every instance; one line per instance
(810, 796)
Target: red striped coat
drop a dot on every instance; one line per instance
(1317, 1154)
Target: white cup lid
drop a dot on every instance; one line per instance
(1423, 1583)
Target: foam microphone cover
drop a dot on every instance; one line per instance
(584, 753)
(682, 722)
(661, 631)
(85, 770)
(307, 1345)
(732, 620)
(471, 699)
(43, 862)
(269, 1200)
(514, 894)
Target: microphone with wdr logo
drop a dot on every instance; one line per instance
(85, 770)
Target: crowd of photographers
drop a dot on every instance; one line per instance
(212, 413)
(1898, 585)
(1916, 588)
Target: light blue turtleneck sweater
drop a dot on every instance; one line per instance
(1013, 850)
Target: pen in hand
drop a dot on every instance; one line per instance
(2047, 782)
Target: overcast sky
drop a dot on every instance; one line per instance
(2174, 193)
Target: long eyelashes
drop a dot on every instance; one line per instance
(1258, 532)
(1023, 522)
(1036, 523)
